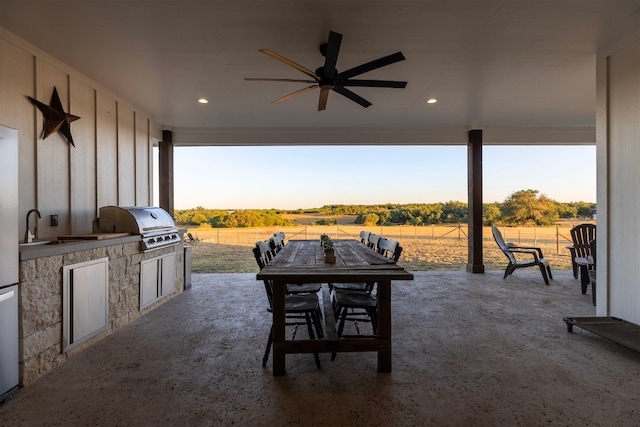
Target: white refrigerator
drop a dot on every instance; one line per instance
(9, 352)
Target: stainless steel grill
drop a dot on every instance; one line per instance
(155, 225)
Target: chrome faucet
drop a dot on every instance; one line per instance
(28, 237)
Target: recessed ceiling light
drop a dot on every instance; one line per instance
(203, 101)
(431, 101)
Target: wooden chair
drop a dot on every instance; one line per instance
(587, 267)
(300, 309)
(385, 247)
(265, 253)
(373, 240)
(530, 256)
(357, 301)
(582, 235)
(278, 241)
(389, 248)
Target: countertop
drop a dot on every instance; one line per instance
(63, 247)
(60, 247)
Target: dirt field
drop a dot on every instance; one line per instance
(424, 248)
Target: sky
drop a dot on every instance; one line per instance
(314, 176)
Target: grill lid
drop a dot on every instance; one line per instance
(154, 224)
(144, 220)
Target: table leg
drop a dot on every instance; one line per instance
(384, 324)
(278, 328)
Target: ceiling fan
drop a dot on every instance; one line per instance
(328, 78)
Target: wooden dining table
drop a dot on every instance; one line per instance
(302, 261)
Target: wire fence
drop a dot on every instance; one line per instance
(553, 238)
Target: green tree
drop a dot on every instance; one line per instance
(370, 219)
(491, 214)
(326, 221)
(527, 207)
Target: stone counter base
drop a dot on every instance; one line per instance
(41, 301)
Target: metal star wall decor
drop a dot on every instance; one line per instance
(55, 119)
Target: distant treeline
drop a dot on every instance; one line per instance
(231, 219)
(525, 207)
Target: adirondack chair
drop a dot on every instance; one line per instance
(522, 256)
(582, 235)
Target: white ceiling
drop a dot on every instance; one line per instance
(491, 63)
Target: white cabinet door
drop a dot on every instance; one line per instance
(168, 274)
(157, 278)
(148, 282)
(86, 301)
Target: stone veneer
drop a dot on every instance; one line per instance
(41, 301)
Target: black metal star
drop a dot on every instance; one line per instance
(55, 119)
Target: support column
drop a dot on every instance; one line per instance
(474, 190)
(165, 172)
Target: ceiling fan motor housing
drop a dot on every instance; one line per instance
(324, 79)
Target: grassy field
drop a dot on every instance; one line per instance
(425, 248)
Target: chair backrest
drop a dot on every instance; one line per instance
(497, 236)
(261, 259)
(266, 252)
(258, 255)
(582, 235)
(397, 253)
(373, 241)
(278, 239)
(364, 236)
(274, 244)
(387, 247)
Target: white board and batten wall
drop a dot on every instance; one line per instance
(618, 163)
(111, 163)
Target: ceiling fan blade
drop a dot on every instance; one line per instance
(352, 96)
(290, 63)
(259, 79)
(324, 95)
(374, 83)
(331, 57)
(372, 65)
(296, 93)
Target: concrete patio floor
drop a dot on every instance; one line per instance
(468, 350)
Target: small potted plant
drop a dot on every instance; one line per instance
(329, 252)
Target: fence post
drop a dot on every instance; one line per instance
(218, 236)
(535, 236)
(557, 240)
(458, 232)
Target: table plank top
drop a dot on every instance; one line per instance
(303, 260)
